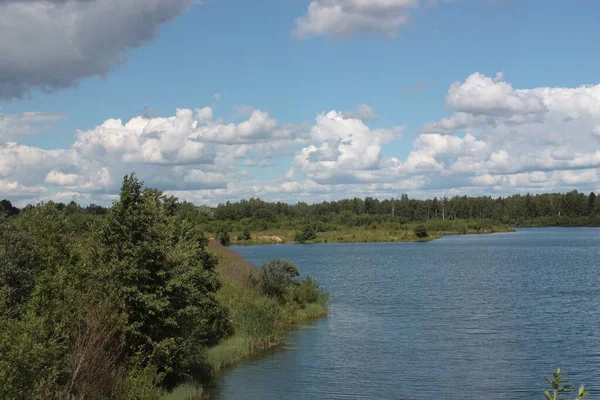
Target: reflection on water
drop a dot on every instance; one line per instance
(466, 317)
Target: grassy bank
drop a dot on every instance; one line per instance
(259, 321)
(385, 232)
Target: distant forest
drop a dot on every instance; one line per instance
(551, 209)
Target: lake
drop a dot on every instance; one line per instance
(469, 317)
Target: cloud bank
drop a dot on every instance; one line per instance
(497, 140)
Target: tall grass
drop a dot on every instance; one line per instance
(259, 322)
(187, 391)
(385, 231)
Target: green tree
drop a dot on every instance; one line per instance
(276, 277)
(19, 263)
(246, 235)
(307, 233)
(223, 235)
(158, 266)
(421, 232)
(8, 209)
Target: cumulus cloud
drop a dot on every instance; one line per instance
(498, 140)
(540, 137)
(14, 126)
(50, 45)
(342, 19)
(346, 150)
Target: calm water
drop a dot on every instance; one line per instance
(469, 317)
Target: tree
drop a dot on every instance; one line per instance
(421, 232)
(276, 276)
(19, 262)
(156, 264)
(307, 233)
(246, 235)
(592, 202)
(8, 209)
(223, 236)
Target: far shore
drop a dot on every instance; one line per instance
(356, 235)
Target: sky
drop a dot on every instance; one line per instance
(298, 100)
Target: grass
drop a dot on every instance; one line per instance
(259, 322)
(311, 311)
(385, 232)
(187, 391)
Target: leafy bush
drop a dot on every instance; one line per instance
(305, 292)
(421, 232)
(223, 236)
(276, 276)
(307, 233)
(246, 235)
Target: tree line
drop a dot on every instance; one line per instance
(254, 214)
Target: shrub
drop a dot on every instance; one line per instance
(305, 292)
(246, 235)
(223, 236)
(307, 233)
(421, 232)
(276, 276)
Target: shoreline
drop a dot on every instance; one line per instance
(382, 238)
(360, 236)
(263, 322)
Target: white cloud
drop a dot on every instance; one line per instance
(50, 45)
(344, 18)
(498, 140)
(55, 177)
(346, 150)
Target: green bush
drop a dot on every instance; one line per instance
(223, 236)
(246, 235)
(276, 276)
(307, 233)
(421, 232)
(305, 292)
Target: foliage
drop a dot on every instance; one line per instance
(558, 387)
(157, 265)
(276, 276)
(19, 263)
(246, 235)
(307, 233)
(223, 236)
(258, 320)
(305, 292)
(7, 209)
(113, 304)
(421, 232)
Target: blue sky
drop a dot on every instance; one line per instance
(410, 63)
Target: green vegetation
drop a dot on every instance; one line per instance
(421, 232)
(223, 235)
(558, 387)
(255, 221)
(262, 304)
(129, 302)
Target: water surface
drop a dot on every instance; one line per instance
(469, 317)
